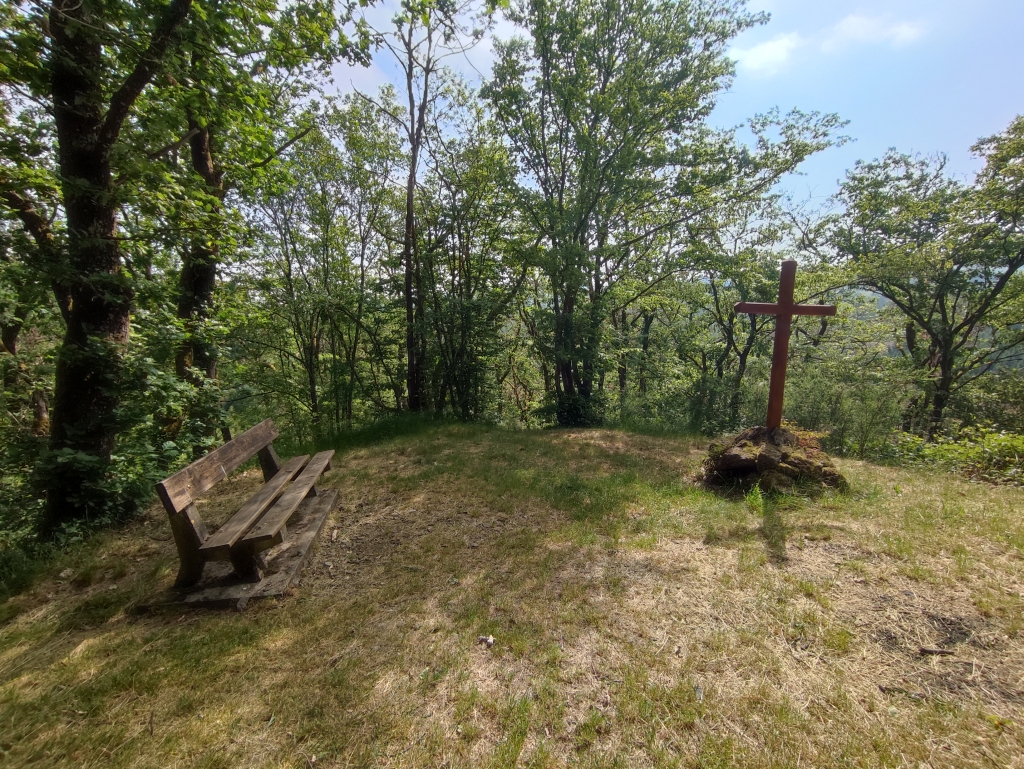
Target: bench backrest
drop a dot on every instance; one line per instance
(184, 487)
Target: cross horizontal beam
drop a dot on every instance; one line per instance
(765, 308)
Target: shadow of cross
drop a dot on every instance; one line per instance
(783, 311)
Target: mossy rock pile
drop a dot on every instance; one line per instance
(775, 460)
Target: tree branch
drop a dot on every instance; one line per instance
(123, 99)
(38, 228)
(173, 145)
(277, 153)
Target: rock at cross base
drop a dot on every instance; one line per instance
(774, 459)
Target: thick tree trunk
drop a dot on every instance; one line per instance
(565, 374)
(89, 371)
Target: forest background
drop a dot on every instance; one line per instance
(198, 235)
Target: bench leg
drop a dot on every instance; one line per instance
(270, 462)
(189, 533)
(248, 563)
(189, 573)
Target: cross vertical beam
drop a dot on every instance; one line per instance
(780, 350)
(783, 311)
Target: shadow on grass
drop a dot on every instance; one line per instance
(773, 531)
(656, 430)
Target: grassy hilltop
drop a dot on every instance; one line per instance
(638, 621)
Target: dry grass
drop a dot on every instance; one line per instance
(639, 621)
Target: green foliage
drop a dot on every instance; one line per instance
(563, 247)
(604, 108)
(755, 501)
(977, 452)
(577, 411)
(995, 400)
(946, 256)
(858, 409)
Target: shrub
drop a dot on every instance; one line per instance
(978, 452)
(856, 410)
(579, 411)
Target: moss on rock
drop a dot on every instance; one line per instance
(773, 459)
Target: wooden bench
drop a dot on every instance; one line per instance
(289, 496)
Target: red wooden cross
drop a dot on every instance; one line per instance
(783, 312)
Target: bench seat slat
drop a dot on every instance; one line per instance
(275, 519)
(239, 523)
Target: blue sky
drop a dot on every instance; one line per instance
(919, 75)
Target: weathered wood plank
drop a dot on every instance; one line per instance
(277, 516)
(305, 527)
(185, 486)
(239, 523)
(283, 563)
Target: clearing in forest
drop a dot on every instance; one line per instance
(638, 621)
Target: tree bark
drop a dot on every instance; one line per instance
(40, 414)
(565, 375)
(89, 371)
(940, 398)
(196, 359)
(415, 337)
(645, 344)
(199, 267)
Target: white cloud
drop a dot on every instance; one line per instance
(871, 30)
(772, 56)
(769, 57)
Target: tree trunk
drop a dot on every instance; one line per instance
(940, 398)
(196, 360)
(565, 375)
(312, 364)
(88, 380)
(415, 342)
(89, 371)
(414, 374)
(645, 344)
(9, 336)
(40, 414)
(199, 268)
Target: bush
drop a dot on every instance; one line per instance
(977, 452)
(717, 405)
(857, 410)
(995, 400)
(576, 410)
